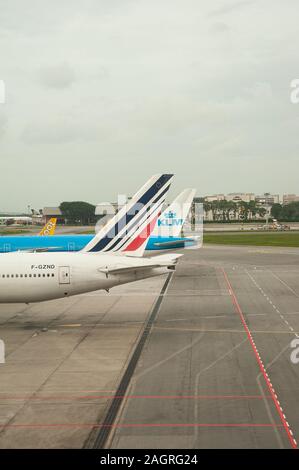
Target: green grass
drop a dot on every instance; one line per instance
(220, 238)
(12, 232)
(256, 239)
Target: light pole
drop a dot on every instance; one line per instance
(29, 208)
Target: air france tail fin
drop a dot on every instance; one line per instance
(171, 221)
(128, 231)
(49, 228)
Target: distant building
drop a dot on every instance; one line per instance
(49, 212)
(235, 197)
(110, 208)
(238, 197)
(288, 198)
(267, 199)
(106, 208)
(215, 197)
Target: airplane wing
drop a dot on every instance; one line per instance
(42, 249)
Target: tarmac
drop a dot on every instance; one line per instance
(201, 358)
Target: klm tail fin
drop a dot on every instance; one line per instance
(129, 230)
(171, 221)
(49, 228)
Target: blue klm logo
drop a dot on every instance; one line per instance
(170, 215)
(170, 220)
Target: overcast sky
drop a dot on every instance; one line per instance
(101, 94)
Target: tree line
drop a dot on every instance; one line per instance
(78, 212)
(225, 211)
(286, 213)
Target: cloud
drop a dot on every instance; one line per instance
(219, 27)
(57, 76)
(3, 123)
(61, 131)
(231, 7)
(149, 86)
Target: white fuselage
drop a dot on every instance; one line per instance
(34, 277)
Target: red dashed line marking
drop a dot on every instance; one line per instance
(260, 363)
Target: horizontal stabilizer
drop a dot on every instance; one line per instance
(128, 269)
(196, 243)
(124, 267)
(180, 243)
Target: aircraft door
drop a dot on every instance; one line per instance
(64, 275)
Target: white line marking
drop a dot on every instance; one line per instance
(271, 302)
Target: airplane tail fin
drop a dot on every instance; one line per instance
(128, 231)
(171, 221)
(49, 228)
